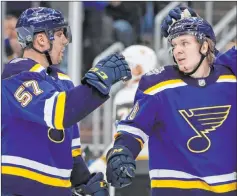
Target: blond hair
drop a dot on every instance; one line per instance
(211, 51)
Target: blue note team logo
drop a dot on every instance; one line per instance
(203, 121)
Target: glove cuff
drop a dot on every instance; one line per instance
(95, 184)
(118, 150)
(93, 80)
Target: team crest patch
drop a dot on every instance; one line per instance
(134, 111)
(204, 121)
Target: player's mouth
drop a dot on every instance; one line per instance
(181, 60)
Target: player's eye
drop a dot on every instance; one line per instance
(60, 34)
(184, 43)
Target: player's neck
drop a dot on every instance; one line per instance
(203, 71)
(37, 57)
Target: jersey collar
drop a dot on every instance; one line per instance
(202, 82)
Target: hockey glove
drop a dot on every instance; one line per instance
(120, 166)
(174, 15)
(96, 186)
(107, 72)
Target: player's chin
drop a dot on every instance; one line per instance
(184, 68)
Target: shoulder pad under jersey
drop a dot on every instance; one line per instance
(158, 76)
(19, 65)
(61, 75)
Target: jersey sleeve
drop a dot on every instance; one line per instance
(5, 110)
(80, 173)
(33, 98)
(140, 123)
(76, 142)
(229, 59)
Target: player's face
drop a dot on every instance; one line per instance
(186, 52)
(59, 44)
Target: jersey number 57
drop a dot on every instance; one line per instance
(25, 97)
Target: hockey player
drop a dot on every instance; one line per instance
(188, 112)
(41, 153)
(227, 59)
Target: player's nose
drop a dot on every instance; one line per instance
(177, 50)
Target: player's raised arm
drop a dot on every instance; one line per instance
(41, 151)
(32, 97)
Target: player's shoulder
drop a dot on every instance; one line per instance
(61, 75)
(224, 71)
(22, 66)
(228, 60)
(227, 57)
(158, 78)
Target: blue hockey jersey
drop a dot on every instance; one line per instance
(191, 126)
(228, 59)
(39, 139)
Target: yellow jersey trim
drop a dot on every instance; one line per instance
(163, 84)
(76, 152)
(52, 181)
(193, 185)
(37, 68)
(62, 76)
(140, 141)
(226, 78)
(59, 111)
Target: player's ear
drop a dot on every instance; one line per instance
(41, 41)
(204, 47)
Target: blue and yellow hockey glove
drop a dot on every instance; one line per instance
(174, 15)
(107, 72)
(121, 166)
(96, 186)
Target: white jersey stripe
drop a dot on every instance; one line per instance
(48, 110)
(226, 80)
(165, 173)
(134, 131)
(76, 142)
(19, 161)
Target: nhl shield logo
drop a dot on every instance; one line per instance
(201, 82)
